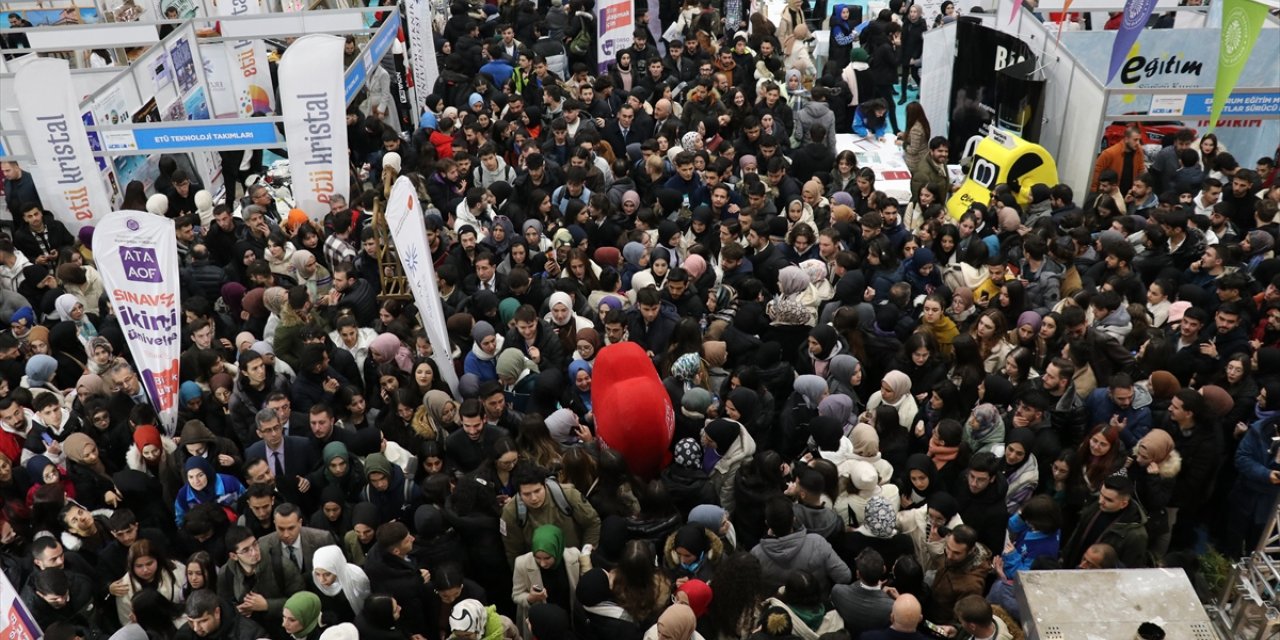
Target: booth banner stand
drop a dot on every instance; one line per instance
(138, 260)
(59, 143)
(406, 223)
(1242, 22)
(314, 105)
(250, 78)
(1136, 13)
(422, 52)
(615, 24)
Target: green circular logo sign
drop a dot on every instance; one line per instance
(1234, 28)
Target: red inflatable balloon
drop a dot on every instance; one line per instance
(633, 412)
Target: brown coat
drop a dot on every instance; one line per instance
(955, 582)
(1113, 158)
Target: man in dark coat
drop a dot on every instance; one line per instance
(389, 567)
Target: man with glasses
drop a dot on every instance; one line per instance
(291, 457)
(257, 595)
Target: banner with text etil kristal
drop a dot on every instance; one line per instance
(405, 221)
(66, 174)
(1241, 23)
(313, 102)
(138, 260)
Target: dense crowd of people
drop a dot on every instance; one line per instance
(883, 415)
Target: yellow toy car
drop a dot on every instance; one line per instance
(1002, 158)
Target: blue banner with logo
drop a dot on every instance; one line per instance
(370, 58)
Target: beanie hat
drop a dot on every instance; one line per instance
(723, 432)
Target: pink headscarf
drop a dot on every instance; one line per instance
(387, 347)
(695, 265)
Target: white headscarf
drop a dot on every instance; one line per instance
(351, 581)
(469, 615)
(65, 304)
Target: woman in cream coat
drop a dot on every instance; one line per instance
(548, 573)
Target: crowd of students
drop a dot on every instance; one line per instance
(883, 415)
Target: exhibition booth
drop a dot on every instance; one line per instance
(1051, 88)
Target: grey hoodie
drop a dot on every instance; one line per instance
(815, 112)
(800, 550)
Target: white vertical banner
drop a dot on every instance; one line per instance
(405, 222)
(16, 621)
(313, 102)
(615, 26)
(66, 171)
(247, 62)
(138, 260)
(422, 52)
(217, 73)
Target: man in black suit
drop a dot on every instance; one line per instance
(486, 277)
(291, 458)
(622, 132)
(290, 548)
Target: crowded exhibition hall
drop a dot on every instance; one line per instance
(640, 320)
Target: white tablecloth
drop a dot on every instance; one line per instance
(885, 158)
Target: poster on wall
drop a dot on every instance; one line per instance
(195, 105)
(179, 9)
(150, 112)
(174, 111)
(108, 171)
(616, 23)
(184, 66)
(55, 17)
(111, 107)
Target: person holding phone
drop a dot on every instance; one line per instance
(549, 573)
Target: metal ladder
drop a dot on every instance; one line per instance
(1249, 606)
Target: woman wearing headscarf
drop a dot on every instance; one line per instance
(734, 445)
(692, 553)
(300, 617)
(577, 394)
(311, 274)
(485, 347)
(359, 542)
(1153, 467)
(516, 373)
(1020, 468)
(844, 374)
(859, 482)
(895, 391)
(878, 531)
(203, 485)
(808, 392)
(985, 429)
(547, 574)
(94, 489)
(564, 321)
(40, 371)
(339, 468)
(816, 353)
(63, 342)
(343, 586)
(918, 482)
(677, 622)
(387, 347)
(334, 513)
(70, 309)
